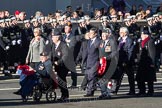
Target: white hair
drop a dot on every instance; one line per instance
(125, 29)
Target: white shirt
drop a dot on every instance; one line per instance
(93, 39)
(124, 38)
(106, 41)
(67, 35)
(57, 44)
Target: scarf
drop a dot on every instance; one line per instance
(144, 42)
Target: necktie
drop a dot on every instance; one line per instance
(55, 47)
(121, 44)
(103, 43)
(90, 43)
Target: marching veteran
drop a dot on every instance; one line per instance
(108, 52)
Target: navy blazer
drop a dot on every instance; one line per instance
(82, 53)
(125, 52)
(93, 53)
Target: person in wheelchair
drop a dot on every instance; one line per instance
(45, 70)
(45, 66)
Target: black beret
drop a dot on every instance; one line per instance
(145, 30)
(44, 54)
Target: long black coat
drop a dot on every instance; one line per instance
(63, 56)
(147, 57)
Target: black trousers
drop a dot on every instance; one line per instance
(84, 82)
(74, 78)
(131, 80)
(62, 72)
(142, 87)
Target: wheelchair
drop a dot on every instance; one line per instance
(41, 85)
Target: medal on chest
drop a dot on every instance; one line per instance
(108, 48)
(59, 53)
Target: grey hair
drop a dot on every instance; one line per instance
(125, 29)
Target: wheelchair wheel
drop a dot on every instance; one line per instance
(51, 96)
(37, 93)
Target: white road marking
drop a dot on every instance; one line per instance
(9, 80)
(4, 89)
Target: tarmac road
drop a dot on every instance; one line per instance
(121, 100)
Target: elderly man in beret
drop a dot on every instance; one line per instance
(62, 62)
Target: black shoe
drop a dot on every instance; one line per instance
(17, 92)
(131, 93)
(114, 92)
(104, 96)
(8, 74)
(150, 94)
(63, 99)
(141, 94)
(83, 88)
(88, 95)
(72, 87)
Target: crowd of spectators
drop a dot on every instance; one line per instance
(118, 8)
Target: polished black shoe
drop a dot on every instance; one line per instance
(17, 92)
